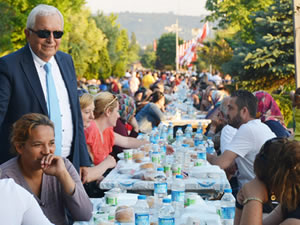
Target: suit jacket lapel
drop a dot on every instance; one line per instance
(33, 78)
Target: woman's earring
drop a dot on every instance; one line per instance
(273, 197)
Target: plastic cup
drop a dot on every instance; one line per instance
(128, 155)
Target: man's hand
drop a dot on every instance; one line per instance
(169, 149)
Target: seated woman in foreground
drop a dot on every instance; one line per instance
(277, 169)
(52, 180)
(100, 136)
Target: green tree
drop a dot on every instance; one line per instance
(86, 43)
(148, 57)
(119, 68)
(110, 28)
(133, 49)
(166, 51)
(215, 53)
(269, 63)
(16, 12)
(118, 43)
(235, 14)
(6, 27)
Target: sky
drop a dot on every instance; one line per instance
(181, 7)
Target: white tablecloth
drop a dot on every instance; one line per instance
(124, 181)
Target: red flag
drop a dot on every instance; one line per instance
(154, 45)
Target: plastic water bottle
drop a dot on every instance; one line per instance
(201, 155)
(188, 131)
(198, 138)
(160, 184)
(141, 210)
(227, 207)
(179, 136)
(170, 132)
(178, 192)
(210, 149)
(199, 127)
(164, 133)
(166, 214)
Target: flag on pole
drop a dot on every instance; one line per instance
(189, 48)
(154, 45)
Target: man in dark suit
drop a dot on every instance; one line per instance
(24, 85)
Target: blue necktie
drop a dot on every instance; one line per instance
(53, 108)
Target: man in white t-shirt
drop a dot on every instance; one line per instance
(249, 138)
(18, 206)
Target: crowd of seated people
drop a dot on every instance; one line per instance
(113, 117)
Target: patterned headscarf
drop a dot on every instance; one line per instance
(126, 107)
(267, 107)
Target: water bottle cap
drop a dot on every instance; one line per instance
(179, 176)
(166, 200)
(160, 169)
(185, 145)
(209, 138)
(189, 125)
(142, 197)
(227, 190)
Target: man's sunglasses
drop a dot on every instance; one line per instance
(47, 33)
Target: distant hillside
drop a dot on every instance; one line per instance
(150, 26)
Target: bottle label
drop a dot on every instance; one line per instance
(166, 221)
(155, 158)
(196, 142)
(228, 212)
(161, 188)
(142, 219)
(178, 196)
(201, 155)
(210, 150)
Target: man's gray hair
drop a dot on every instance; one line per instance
(224, 104)
(42, 10)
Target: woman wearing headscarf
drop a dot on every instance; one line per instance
(127, 119)
(269, 113)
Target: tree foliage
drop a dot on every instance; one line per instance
(85, 43)
(16, 11)
(236, 14)
(166, 51)
(133, 49)
(215, 53)
(269, 62)
(120, 51)
(148, 57)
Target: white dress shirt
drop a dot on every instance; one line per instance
(63, 98)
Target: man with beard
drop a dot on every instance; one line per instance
(248, 140)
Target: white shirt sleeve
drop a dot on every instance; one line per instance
(227, 133)
(18, 206)
(34, 214)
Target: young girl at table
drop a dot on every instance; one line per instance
(100, 137)
(277, 169)
(52, 180)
